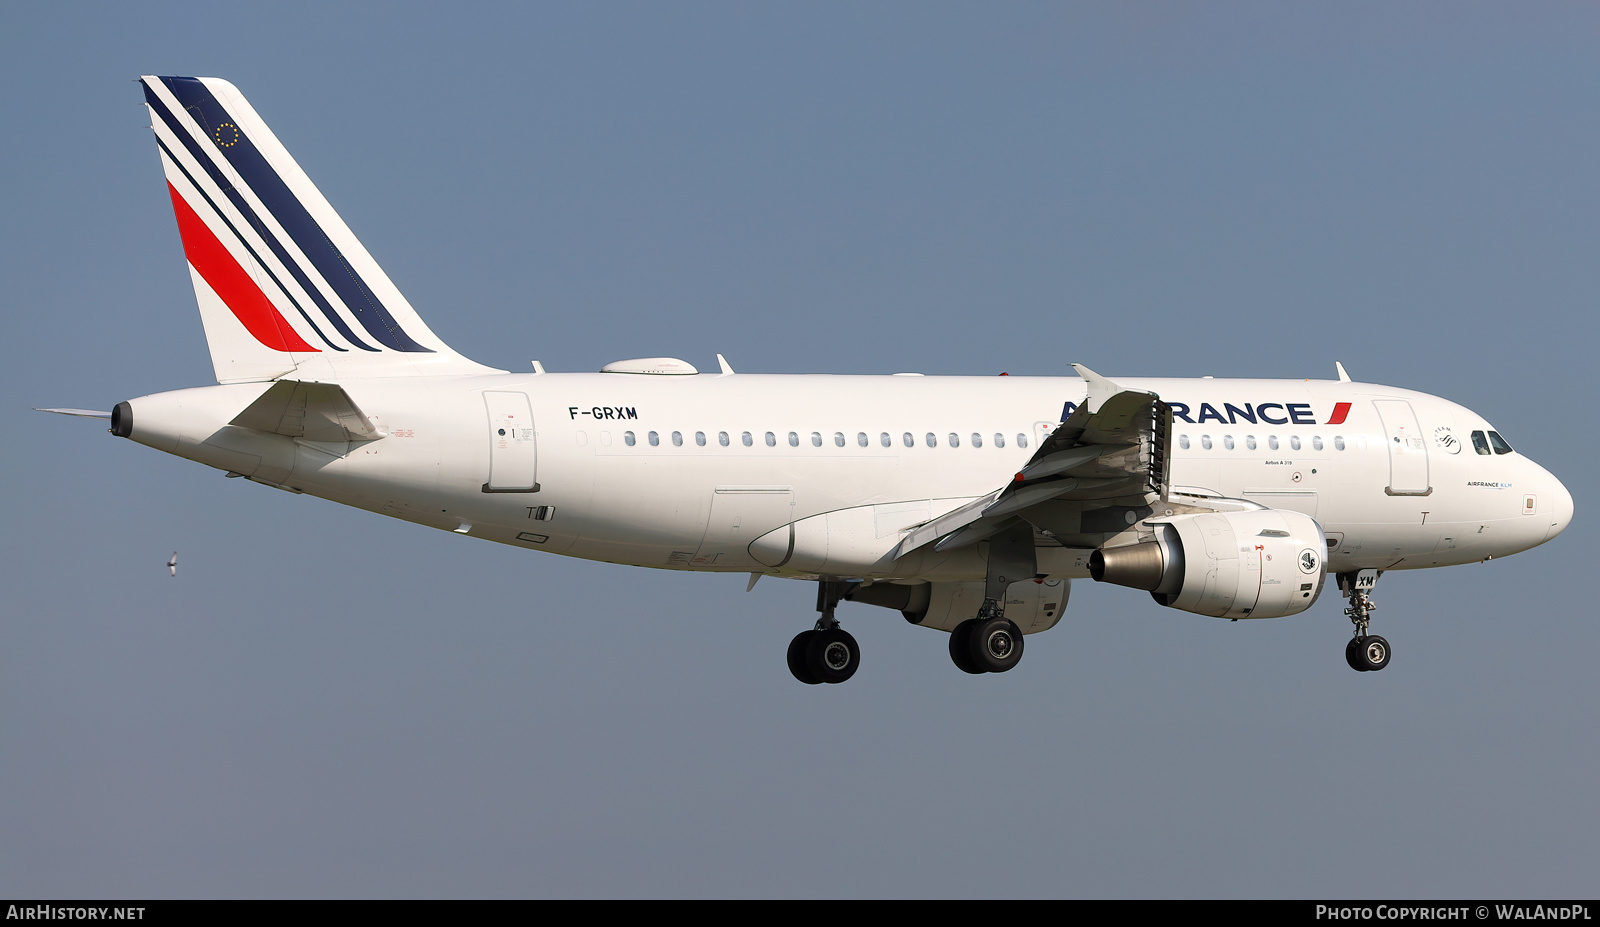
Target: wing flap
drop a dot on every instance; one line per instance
(1111, 451)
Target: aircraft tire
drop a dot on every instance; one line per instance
(961, 647)
(833, 655)
(1352, 655)
(1375, 653)
(797, 658)
(996, 645)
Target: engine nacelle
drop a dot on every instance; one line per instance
(1034, 606)
(1262, 564)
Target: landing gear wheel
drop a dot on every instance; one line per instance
(797, 658)
(832, 655)
(1374, 653)
(1352, 655)
(961, 647)
(996, 644)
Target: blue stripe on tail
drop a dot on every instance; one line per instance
(250, 249)
(239, 203)
(291, 215)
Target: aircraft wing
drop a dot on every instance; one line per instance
(1109, 454)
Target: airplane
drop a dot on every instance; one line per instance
(968, 504)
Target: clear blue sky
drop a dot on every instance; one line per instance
(331, 703)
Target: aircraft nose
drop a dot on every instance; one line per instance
(1562, 514)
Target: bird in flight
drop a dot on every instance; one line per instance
(172, 564)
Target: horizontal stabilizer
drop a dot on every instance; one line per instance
(314, 411)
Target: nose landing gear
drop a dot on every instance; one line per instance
(1365, 653)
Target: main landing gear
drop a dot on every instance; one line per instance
(1365, 653)
(826, 653)
(991, 642)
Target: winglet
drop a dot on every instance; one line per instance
(1343, 377)
(723, 363)
(1100, 389)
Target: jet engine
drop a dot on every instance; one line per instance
(1260, 564)
(1034, 606)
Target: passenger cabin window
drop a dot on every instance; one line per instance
(885, 440)
(861, 438)
(655, 439)
(999, 440)
(794, 439)
(677, 439)
(1022, 440)
(772, 440)
(977, 440)
(1498, 443)
(722, 438)
(816, 439)
(908, 440)
(1272, 442)
(838, 439)
(1227, 441)
(627, 438)
(1294, 442)
(1338, 442)
(1480, 443)
(933, 440)
(955, 440)
(745, 437)
(1316, 442)
(1183, 441)
(700, 439)
(1205, 442)
(1250, 442)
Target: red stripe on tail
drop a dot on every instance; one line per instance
(1340, 410)
(224, 275)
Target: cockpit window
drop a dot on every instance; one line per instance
(1499, 443)
(1480, 443)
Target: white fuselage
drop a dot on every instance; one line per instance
(623, 476)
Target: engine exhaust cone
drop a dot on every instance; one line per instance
(1137, 566)
(122, 420)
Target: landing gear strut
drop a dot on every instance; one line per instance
(826, 653)
(1365, 653)
(991, 642)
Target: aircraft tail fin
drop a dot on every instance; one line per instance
(284, 286)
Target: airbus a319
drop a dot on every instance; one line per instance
(968, 504)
